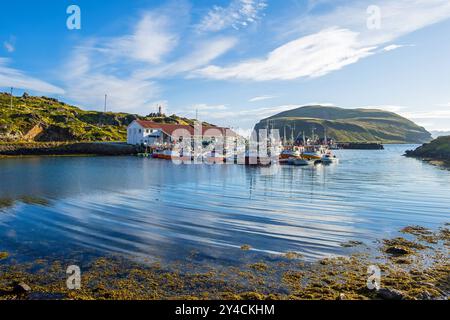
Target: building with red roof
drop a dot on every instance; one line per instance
(156, 134)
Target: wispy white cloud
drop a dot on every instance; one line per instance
(205, 107)
(433, 120)
(10, 77)
(204, 52)
(204, 110)
(393, 47)
(437, 119)
(261, 98)
(150, 41)
(127, 67)
(398, 18)
(391, 108)
(9, 46)
(91, 78)
(226, 113)
(238, 14)
(436, 114)
(346, 40)
(311, 56)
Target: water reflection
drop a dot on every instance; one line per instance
(154, 209)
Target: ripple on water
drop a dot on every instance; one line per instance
(152, 208)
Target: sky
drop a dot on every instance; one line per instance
(232, 61)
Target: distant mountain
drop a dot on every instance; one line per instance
(347, 125)
(437, 133)
(47, 119)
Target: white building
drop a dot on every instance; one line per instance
(139, 133)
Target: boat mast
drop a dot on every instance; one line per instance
(292, 135)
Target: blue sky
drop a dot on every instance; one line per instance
(235, 61)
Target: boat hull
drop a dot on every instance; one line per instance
(300, 162)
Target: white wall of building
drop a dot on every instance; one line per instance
(136, 134)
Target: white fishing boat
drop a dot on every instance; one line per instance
(329, 158)
(299, 161)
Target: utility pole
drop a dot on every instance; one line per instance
(11, 97)
(106, 97)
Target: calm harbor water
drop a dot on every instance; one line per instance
(58, 206)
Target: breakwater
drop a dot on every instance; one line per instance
(361, 146)
(67, 148)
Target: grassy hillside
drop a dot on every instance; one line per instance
(347, 125)
(438, 149)
(45, 119)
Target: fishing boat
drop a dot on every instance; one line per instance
(164, 154)
(287, 154)
(299, 161)
(328, 158)
(313, 153)
(168, 154)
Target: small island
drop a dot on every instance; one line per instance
(435, 152)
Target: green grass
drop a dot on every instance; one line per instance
(54, 120)
(438, 149)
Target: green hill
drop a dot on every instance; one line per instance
(347, 125)
(438, 149)
(45, 119)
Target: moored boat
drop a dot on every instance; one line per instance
(300, 161)
(329, 158)
(287, 154)
(313, 153)
(168, 154)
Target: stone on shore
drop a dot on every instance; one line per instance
(21, 288)
(390, 294)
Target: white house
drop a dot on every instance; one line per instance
(139, 133)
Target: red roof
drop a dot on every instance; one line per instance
(170, 128)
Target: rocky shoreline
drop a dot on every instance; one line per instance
(436, 152)
(66, 148)
(413, 267)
